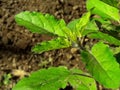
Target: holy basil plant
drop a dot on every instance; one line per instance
(101, 58)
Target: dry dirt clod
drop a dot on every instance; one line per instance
(19, 73)
(75, 7)
(73, 50)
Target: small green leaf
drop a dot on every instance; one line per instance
(40, 23)
(83, 22)
(82, 81)
(101, 20)
(77, 26)
(105, 37)
(72, 24)
(102, 65)
(53, 44)
(91, 27)
(105, 24)
(55, 78)
(103, 9)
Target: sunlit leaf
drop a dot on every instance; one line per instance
(103, 9)
(91, 27)
(105, 37)
(51, 45)
(41, 23)
(55, 78)
(78, 25)
(102, 65)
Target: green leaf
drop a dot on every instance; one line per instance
(69, 33)
(77, 26)
(91, 27)
(55, 78)
(6, 79)
(53, 44)
(102, 65)
(40, 23)
(72, 26)
(105, 24)
(113, 3)
(103, 9)
(105, 37)
(83, 21)
(82, 81)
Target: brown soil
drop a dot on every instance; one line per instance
(16, 41)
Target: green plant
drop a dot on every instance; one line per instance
(101, 58)
(6, 79)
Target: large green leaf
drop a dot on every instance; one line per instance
(55, 78)
(53, 44)
(103, 9)
(77, 26)
(102, 65)
(40, 23)
(105, 37)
